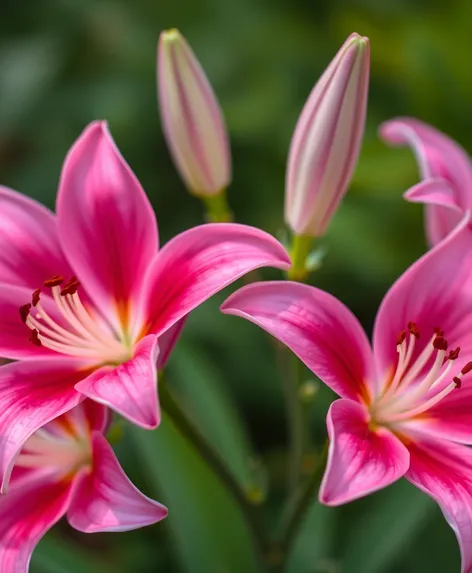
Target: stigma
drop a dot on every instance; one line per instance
(77, 332)
(422, 377)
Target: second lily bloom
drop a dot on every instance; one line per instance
(327, 139)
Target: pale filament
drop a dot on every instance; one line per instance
(407, 396)
(82, 337)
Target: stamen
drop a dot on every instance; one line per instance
(440, 343)
(34, 338)
(24, 311)
(56, 280)
(413, 329)
(457, 381)
(35, 297)
(401, 337)
(454, 354)
(467, 368)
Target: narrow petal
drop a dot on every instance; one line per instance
(443, 470)
(442, 213)
(317, 327)
(433, 293)
(200, 262)
(438, 156)
(129, 388)
(32, 393)
(105, 500)
(30, 509)
(167, 341)
(360, 460)
(31, 251)
(106, 223)
(14, 334)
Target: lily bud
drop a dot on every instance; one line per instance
(326, 142)
(191, 117)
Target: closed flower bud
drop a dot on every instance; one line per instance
(326, 142)
(191, 117)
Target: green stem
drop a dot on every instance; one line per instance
(217, 464)
(217, 208)
(299, 252)
(294, 409)
(298, 506)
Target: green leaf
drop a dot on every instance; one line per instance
(395, 517)
(201, 390)
(206, 526)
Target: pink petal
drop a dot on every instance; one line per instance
(31, 251)
(30, 509)
(105, 500)
(168, 340)
(438, 157)
(200, 262)
(443, 470)
(129, 388)
(32, 393)
(433, 293)
(317, 327)
(360, 460)
(442, 213)
(14, 334)
(107, 226)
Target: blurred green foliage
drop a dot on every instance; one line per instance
(64, 63)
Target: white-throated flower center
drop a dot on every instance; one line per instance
(80, 334)
(63, 446)
(417, 385)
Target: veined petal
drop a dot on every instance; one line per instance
(443, 470)
(200, 262)
(31, 251)
(438, 156)
(360, 460)
(105, 499)
(32, 393)
(30, 509)
(442, 213)
(433, 293)
(129, 388)
(167, 341)
(317, 327)
(106, 223)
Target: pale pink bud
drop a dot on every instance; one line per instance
(326, 142)
(191, 117)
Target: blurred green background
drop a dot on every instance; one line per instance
(64, 63)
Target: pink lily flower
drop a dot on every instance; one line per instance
(405, 406)
(97, 300)
(446, 171)
(68, 468)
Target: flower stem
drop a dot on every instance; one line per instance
(299, 252)
(217, 208)
(297, 507)
(217, 464)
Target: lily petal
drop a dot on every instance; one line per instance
(32, 393)
(107, 226)
(105, 499)
(129, 388)
(167, 341)
(433, 293)
(443, 470)
(198, 263)
(443, 213)
(438, 157)
(31, 251)
(316, 326)
(30, 509)
(360, 460)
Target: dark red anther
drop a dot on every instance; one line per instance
(467, 368)
(70, 287)
(24, 311)
(439, 331)
(34, 338)
(56, 280)
(453, 354)
(401, 337)
(413, 329)
(35, 298)
(457, 381)
(440, 343)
